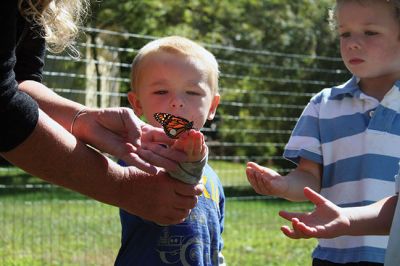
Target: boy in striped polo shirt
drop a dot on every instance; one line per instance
(346, 142)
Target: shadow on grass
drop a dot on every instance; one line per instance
(239, 191)
(17, 182)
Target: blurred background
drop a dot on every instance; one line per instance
(274, 55)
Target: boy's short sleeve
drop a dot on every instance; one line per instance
(305, 141)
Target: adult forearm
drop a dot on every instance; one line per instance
(54, 155)
(58, 108)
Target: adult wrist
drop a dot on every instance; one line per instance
(75, 118)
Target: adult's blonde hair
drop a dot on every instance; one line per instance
(333, 11)
(60, 20)
(179, 46)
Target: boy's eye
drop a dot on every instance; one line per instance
(160, 92)
(344, 34)
(192, 93)
(370, 33)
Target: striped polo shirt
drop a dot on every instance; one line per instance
(356, 139)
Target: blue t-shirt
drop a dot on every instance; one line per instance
(197, 241)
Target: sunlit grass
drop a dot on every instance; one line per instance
(83, 232)
(53, 226)
(231, 174)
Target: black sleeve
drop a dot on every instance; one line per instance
(30, 52)
(18, 112)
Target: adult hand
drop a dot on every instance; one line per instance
(157, 198)
(326, 221)
(118, 131)
(155, 148)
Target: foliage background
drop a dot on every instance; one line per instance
(273, 55)
(270, 46)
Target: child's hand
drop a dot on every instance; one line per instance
(193, 144)
(266, 181)
(326, 221)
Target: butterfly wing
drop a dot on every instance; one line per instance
(177, 126)
(173, 126)
(163, 118)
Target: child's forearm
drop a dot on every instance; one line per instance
(297, 180)
(191, 170)
(374, 219)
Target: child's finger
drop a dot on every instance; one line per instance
(297, 231)
(287, 231)
(199, 148)
(252, 179)
(202, 143)
(314, 197)
(301, 230)
(189, 146)
(291, 233)
(290, 215)
(305, 231)
(197, 145)
(261, 186)
(254, 166)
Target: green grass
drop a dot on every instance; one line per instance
(42, 230)
(53, 226)
(231, 174)
(252, 235)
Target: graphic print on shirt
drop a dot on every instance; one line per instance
(214, 195)
(179, 249)
(175, 246)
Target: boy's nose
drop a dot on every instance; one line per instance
(354, 43)
(176, 103)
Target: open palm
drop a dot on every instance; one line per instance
(325, 221)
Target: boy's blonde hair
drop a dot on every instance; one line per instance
(332, 11)
(59, 19)
(180, 46)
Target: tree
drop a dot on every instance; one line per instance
(273, 55)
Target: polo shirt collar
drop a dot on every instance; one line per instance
(350, 87)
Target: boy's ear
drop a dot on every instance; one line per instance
(135, 103)
(213, 107)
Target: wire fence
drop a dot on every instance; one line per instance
(262, 92)
(262, 95)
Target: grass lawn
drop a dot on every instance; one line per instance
(42, 230)
(52, 226)
(252, 235)
(231, 174)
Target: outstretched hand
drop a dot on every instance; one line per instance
(265, 181)
(326, 221)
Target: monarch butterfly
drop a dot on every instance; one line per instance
(173, 125)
